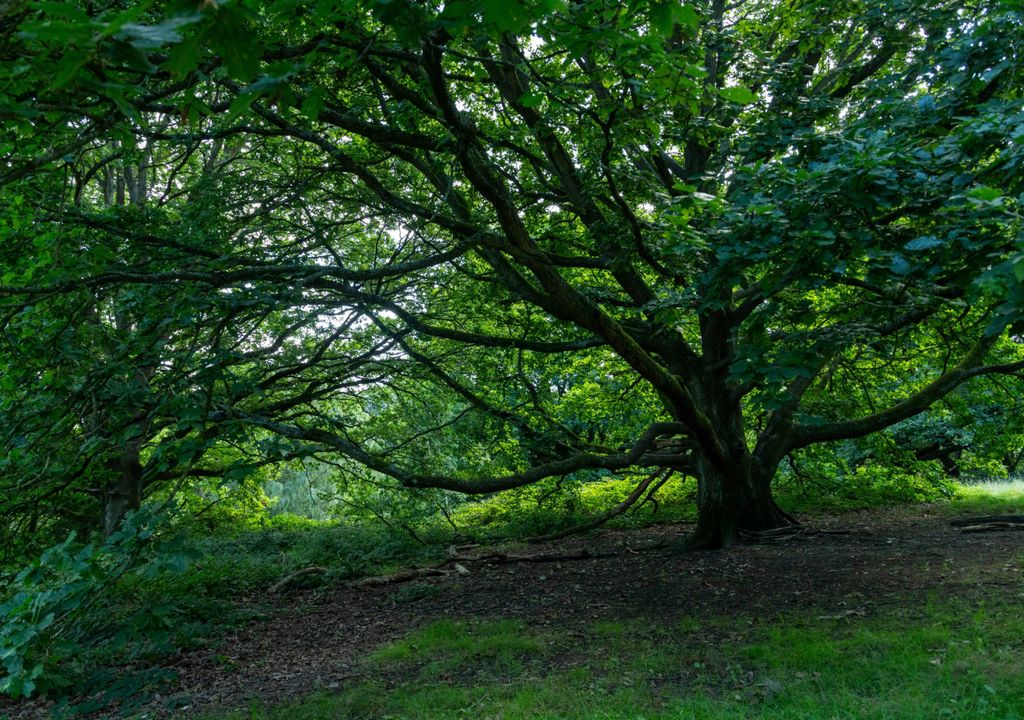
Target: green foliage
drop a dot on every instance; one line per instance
(239, 235)
(547, 507)
(1004, 497)
(346, 257)
(223, 506)
(850, 476)
(58, 612)
(235, 561)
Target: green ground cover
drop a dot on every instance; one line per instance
(942, 660)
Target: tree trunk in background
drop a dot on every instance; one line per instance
(123, 495)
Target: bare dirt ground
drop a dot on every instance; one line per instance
(316, 639)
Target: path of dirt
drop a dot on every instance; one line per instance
(316, 638)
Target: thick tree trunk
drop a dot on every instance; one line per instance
(734, 498)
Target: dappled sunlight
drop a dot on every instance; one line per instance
(1009, 488)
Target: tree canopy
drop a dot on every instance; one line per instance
(475, 245)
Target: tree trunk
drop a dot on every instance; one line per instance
(123, 495)
(733, 498)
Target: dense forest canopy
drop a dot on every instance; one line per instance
(476, 245)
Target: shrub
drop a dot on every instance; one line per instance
(55, 614)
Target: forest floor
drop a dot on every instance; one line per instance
(879, 560)
(866, 564)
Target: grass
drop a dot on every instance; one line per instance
(991, 497)
(230, 568)
(449, 649)
(943, 660)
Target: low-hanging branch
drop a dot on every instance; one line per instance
(642, 453)
(660, 475)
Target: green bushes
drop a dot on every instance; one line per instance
(543, 508)
(852, 476)
(59, 618)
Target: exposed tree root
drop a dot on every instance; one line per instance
(786, 533)
(779, 534)
(501, 557)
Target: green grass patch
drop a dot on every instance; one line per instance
(995, 497)
(449, 649)
(943, 660)
(231, 569)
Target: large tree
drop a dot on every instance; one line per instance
(578, 237)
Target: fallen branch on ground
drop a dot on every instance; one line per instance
(992, 527)
(987, 519)
(398, 577)
(780, 534)
(455, 564)
(501, 557)
(292, 577)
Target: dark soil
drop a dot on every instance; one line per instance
(863, 564)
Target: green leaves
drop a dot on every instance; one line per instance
(313, 103)
(231, 36)
(531, 99)
(925, 242)
(296, 282)
(506, 15)
(494, 16)
(49, 618)
(149, 37)
(406, 18)
(664, 15)
(739, 95)
(68, 68)
(984, 195)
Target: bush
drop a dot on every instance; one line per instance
(848, 476)
(56, 612)
(547, 507)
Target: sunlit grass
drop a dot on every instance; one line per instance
(990, 497)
